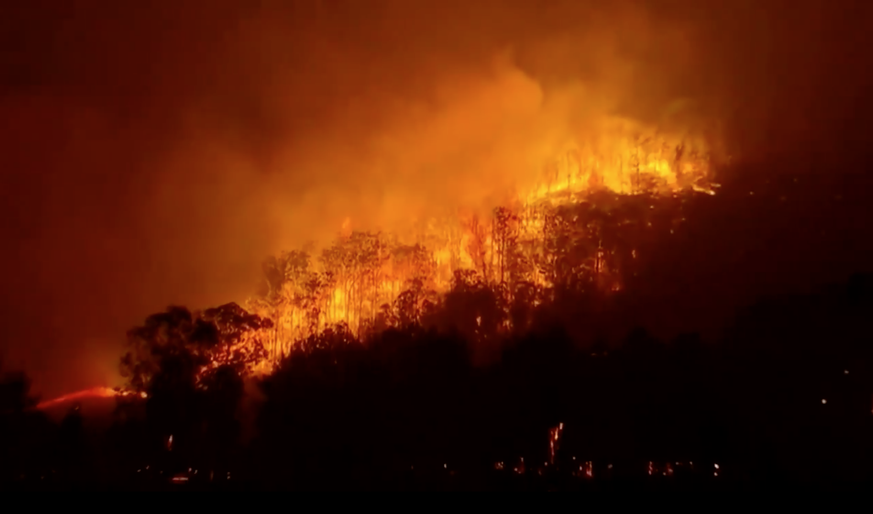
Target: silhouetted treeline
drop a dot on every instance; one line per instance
(785, 397)
(523, 255)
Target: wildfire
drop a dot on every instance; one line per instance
(372, 279)
(554, 442)
(94, 392)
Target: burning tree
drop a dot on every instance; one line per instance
(576, 229)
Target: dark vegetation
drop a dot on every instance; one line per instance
(784, 396)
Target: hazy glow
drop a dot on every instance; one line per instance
(154, 155)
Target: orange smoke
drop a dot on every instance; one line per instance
(244, 131)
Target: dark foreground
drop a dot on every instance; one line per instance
(491, 482)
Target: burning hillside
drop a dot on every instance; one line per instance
(574, 224)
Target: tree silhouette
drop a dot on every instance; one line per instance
(25, 435)
(15, 395)
(72, 444)
(193, 344)
(190, 367)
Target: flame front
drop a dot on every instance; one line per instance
(366, 278)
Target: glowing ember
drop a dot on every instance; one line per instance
(554, 441)
(586, 470)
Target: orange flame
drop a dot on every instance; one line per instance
(363, 272)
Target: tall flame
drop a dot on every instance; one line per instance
(363, 274)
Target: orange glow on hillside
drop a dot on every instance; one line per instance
(365, 278)
(94, 392)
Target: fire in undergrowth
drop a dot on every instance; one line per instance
(570, 220)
